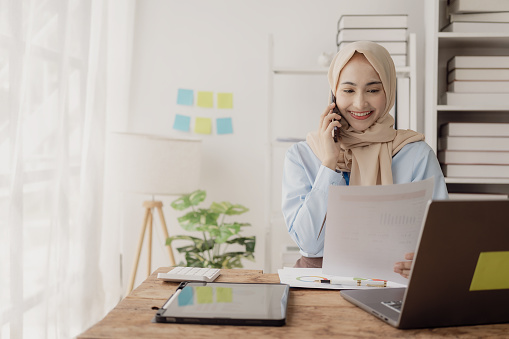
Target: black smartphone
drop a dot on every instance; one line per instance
(335, 110)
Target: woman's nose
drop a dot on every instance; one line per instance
(360, 100)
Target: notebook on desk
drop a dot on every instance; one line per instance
(460, 274)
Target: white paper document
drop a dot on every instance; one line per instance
(370, 228)
(307, 277)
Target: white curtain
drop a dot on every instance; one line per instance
(55, 266)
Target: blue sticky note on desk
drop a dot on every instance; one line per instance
(186, 296)
(185, 97)
(182, 123)
(224, 126)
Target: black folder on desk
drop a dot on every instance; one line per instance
(226, 304)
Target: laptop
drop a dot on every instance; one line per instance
(226, 304)
(460, 273)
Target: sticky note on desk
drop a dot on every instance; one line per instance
(224, 100)
(185, 97)
(204, 295)
(206, 99)
(491, 272)
(185, 296)
(224, 294)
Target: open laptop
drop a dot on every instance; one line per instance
(460, 274)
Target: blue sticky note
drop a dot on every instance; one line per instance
(224, 126)
(185, 296)
(182, 123)
(185, 97)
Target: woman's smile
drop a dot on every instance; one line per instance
(360, 115)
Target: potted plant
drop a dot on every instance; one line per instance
(218, 233)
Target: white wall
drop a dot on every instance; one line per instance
(222, 45)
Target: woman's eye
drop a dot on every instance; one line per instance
(348, 90)
(373, 90)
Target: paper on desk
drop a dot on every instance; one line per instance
(305, 277)
(369, 228)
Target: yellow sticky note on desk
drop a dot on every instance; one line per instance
(224, 294)
(203, 125)
(204, 295)
(491, 272)
(205, 99)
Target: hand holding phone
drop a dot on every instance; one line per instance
(335, 110)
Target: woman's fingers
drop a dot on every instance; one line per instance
(327, 111)
(328, 118)
(403, 267)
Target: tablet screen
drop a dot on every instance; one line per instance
(201, 301)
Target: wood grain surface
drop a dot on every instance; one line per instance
(312, 313)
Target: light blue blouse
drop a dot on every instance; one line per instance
(306, 187)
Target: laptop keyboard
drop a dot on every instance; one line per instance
(395, 305)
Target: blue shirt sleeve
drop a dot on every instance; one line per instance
(306, 186)
(305, 192)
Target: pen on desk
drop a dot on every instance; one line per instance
(354, 282)
(175, 295)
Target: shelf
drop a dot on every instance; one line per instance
(400, 71)
(493, 181)
(300, 71)
(451, 108)
(449, 40)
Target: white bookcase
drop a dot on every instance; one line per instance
(440, 47)
(296, 98)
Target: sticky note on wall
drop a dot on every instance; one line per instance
(224, 126)
(182, 123)
(185, 97)
(491, 272)
(206, 99)
(203, 125)
(224, 100)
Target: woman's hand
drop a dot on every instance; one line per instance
(329, 149)
(403, 267)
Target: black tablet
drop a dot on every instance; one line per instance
(226, 304)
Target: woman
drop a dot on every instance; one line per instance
(368, 151)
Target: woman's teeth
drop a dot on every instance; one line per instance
(360, 114)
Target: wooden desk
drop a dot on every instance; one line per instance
(311, 314)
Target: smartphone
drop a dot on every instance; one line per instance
(335, 110)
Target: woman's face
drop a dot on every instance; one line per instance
(360, 96)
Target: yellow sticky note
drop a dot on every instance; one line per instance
(224, 100)
(205, 99)
(224, 294)
(203, 125)
(204, 295)
(491, 272)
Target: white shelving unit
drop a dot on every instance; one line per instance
(440, 47)
(294, 119)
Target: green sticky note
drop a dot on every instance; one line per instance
(203, 125)
(206, 99)
(204, 295)
(491, 272)
(224, 294)
(224, 100)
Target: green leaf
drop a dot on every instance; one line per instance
(188, 200)
(248, 242)
(198, 245)
(227, 208)
(193, 221)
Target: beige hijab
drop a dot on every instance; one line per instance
(368, 154)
